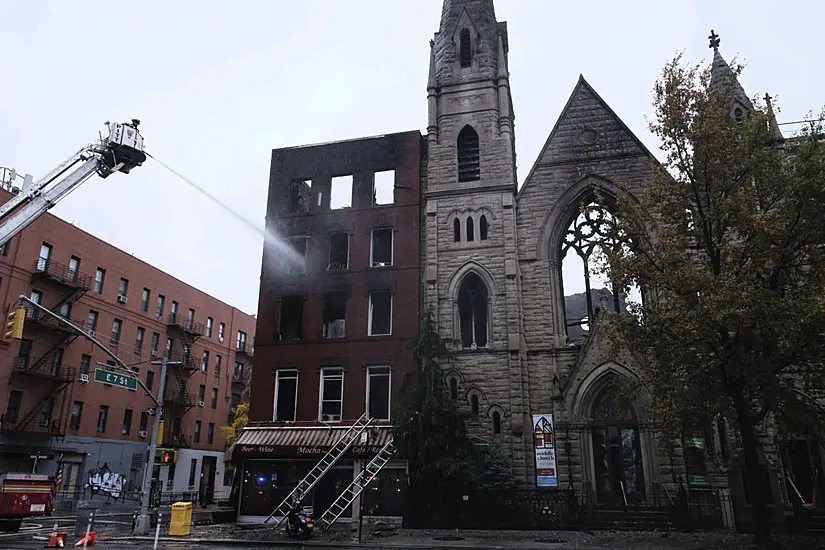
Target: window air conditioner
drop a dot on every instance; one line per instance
(142, 434)
(331, 417)
(121, 299)
(84, 378)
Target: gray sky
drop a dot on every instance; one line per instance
(217, 85)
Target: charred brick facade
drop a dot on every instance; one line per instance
(352, 306)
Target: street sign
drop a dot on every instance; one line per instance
(115, 379)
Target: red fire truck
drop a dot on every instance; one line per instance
(23, 496)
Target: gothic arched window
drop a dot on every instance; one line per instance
(472, 312)
(470, 229)
(468, 155)
(586, 290)
(496, 423)
(474, 404)
(482, 228)
(465, 51)
(453, 388)
(456, 230)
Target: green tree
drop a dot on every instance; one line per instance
(496, 468)
(430, 432)
(728, 242)
(233, 431)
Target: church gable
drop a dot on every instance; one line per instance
(587, 130)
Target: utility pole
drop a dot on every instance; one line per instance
(142, 525)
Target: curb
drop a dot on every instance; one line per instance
(328, 545)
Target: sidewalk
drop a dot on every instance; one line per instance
(257, 536)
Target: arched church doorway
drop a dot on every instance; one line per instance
(617, 453)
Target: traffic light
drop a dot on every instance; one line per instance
(14, 328)
(168, 456)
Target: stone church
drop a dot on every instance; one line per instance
(492, 256)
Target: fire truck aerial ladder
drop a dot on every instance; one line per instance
(120, 151)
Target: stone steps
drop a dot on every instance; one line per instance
(631, 519)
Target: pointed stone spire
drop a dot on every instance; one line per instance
(477, 18)
(776, 133)
(721, 74)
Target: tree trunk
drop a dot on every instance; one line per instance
(750, 449)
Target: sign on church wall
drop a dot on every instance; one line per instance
(544, 441)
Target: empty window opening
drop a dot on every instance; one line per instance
(472, 310)
(470, 229)
(332, 394)
(468, 155)
(300, 196)
(338, 251)
(341, 193)
(298, 265)
(292, 318)
(474, 404)
(378, 393)
(482, 228)
(335, 315)
(453, 388)
(465, 53)
(586, 289)
(456, 230)
(383, 187)
(380, 314)
(286, 391)
(381, 252)
(496, 423)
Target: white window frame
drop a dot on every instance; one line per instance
(331, 372)
(388, 374)
(392, 246)
(369, 314)
(284, 374)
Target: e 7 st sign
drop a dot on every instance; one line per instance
(115, 379)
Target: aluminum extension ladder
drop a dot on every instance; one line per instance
(323, 466)
(358, 484)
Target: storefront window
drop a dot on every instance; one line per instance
(385, 495)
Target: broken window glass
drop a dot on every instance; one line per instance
(341, 193)
(381, 247)
(338, 251)
(335, 315)
(300, 196)
(292, 318)
(472, 310)
(380, 313)
(383, 187)
(286, 389)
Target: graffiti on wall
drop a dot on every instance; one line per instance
(103, 480)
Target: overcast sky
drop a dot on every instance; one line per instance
(217, 85)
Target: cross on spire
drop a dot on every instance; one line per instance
(768, 99)
(714, 40)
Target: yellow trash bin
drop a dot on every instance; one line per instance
(181, 522)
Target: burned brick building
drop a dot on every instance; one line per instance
(336, 316)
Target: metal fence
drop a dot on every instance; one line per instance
(69, 501)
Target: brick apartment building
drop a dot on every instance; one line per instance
(53, 406)
(334, 325)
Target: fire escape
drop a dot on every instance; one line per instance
(48, 371)
(177, 399)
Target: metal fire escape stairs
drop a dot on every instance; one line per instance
(181, 372)
(321, 468)
(364, 478)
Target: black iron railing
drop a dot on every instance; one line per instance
(245, 349)
(23, 364)
(182, 322)
(62, 273)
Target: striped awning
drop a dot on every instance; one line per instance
(305, 442)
